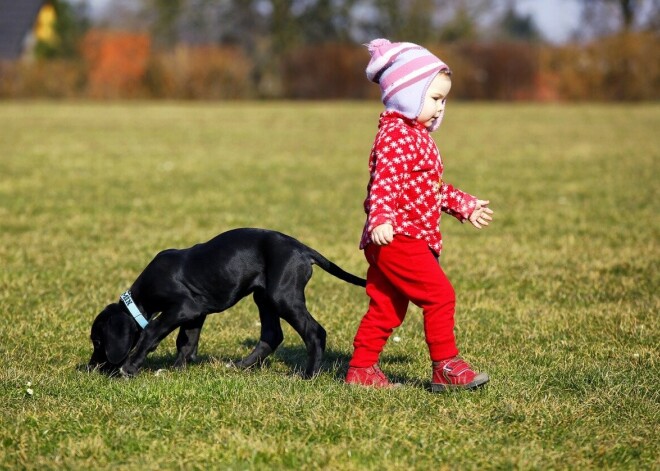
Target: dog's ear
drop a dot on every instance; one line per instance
(118, 338)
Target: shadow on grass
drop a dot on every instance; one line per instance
(294, 357)
(335, 363)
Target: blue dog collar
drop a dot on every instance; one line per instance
(133, 309)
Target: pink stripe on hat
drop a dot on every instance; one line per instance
(408, 71)
(382, 52)
(384, 62)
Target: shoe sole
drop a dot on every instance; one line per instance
(479, 381)
(376, 386)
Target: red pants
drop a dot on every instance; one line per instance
(402, 271)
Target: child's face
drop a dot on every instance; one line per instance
(434, 100)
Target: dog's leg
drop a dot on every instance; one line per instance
(157, 330)
(187, 341)
(271, 332)
(286, 283)
(312, 333)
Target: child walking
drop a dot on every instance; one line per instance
(401, 239)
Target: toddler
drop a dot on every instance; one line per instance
(401, 239)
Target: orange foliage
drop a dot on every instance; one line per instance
(122, 65)
(491, 71)
(201, 72)
(55, 78)
(326, 71)
(117, 63)
(547, 86)
(622, 67)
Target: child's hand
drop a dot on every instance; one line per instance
(481, 216)
(383, 234)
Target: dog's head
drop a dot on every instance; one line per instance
(114, 334)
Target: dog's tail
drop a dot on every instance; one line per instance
(335, 270)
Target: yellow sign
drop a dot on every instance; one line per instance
(44, 29)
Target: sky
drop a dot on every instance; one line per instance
(556, 19)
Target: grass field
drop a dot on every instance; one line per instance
(557, 299)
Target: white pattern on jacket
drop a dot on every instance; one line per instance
(405, 187)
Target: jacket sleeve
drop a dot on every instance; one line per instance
(456, 202)
(389, 170)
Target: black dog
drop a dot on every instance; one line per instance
(186, 285)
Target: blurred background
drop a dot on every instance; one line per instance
(534, 50)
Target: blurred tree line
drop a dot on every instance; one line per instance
(231, 49)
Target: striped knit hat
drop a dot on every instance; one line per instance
(404, 72)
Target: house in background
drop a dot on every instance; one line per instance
(22, 24)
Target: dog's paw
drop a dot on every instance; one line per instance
(239, 364)
(127, 371)
(309, 374)
(247, 362)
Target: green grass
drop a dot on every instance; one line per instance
(557, 300)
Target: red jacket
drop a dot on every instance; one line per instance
(406, 188)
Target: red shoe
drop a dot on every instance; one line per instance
(455, 373)
(371, 376)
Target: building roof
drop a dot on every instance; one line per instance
(17, 18)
